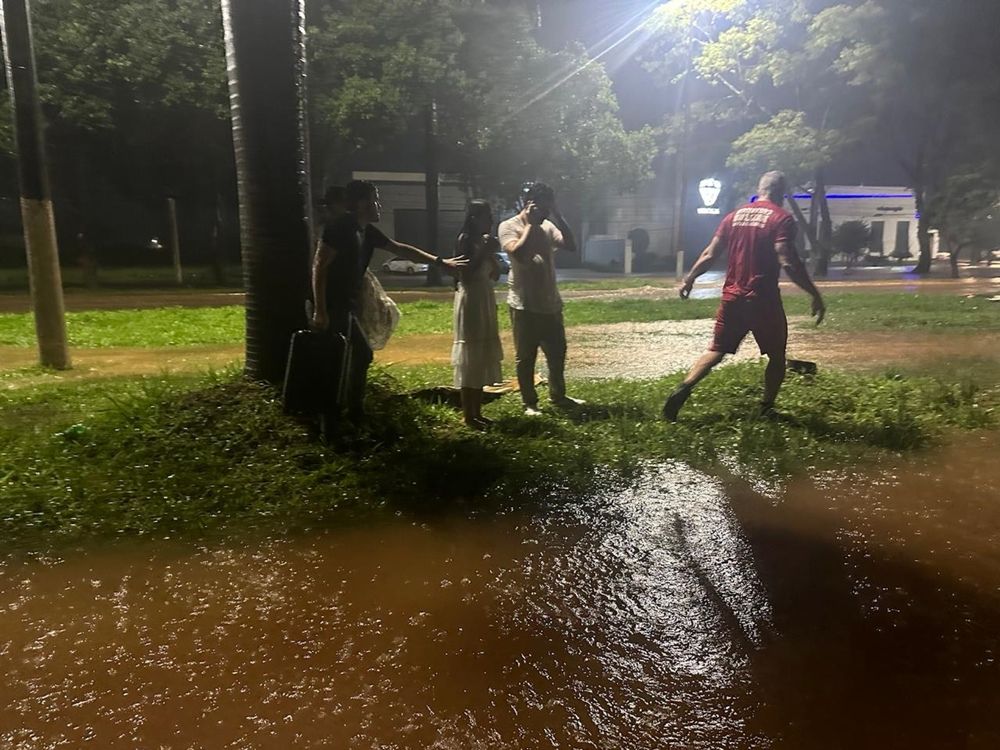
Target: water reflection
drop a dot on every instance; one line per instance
(678, 611)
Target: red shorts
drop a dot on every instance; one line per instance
(764, 317)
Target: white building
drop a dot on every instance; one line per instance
(649, 208)
(891, 212)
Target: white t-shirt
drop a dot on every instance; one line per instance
(532, 276)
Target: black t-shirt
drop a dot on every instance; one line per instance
(354, 248)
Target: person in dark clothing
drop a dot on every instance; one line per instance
(348, 242)
(760, 237)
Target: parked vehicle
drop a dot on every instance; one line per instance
(504, 260)
(404, 265)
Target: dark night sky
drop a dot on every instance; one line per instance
(597, 22)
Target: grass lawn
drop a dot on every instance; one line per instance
(196, 453)
(846, 312)
(138, 277)
(199, 453)
(225, 325)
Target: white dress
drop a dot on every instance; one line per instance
(477, 352)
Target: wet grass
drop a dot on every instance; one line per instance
(662, 281)
(194, 454)
(177, 326)
(163, 326)
(892, 311)
(134, 277)
(845, 312)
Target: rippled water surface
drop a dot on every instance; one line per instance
(857, 611)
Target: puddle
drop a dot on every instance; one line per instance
(856, 610)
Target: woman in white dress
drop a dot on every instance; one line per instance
(476, 353)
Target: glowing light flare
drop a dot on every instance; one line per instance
(632, 27)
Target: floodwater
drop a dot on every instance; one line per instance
(597, 352)
(656, 349)
(849, 610)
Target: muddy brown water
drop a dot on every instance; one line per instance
(850, 610)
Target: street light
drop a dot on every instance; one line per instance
(36, 199)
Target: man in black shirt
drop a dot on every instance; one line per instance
(349, 240)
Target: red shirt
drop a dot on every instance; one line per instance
(751, 232)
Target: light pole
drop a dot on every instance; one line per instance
(680, 172)
(432, 182)
(44, 275)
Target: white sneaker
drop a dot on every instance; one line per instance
(531, 411)
(569, 402)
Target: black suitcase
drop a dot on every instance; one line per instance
(316, 373)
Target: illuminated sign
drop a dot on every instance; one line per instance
(709, 190)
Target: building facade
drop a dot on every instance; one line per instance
(890, 212)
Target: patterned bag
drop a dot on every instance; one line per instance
(378, 315)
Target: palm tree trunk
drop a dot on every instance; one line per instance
(953, 259)
(265, 52)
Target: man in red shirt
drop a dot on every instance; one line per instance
(760, 237)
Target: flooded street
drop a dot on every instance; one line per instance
(855, 610)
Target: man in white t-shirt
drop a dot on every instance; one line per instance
(531, 239)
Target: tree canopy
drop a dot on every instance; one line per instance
(135, 96)
(795, 84)
(508, 109)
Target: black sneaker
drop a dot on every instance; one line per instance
(675, 401)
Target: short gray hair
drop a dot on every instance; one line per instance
(772, 185)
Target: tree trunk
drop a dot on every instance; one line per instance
(953, 260)
(265, 52)
(804, 225)
(814, 217)
(217, 245)
(923, 231)
(825, 233)
(44, 274)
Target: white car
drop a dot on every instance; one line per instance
(402, 265)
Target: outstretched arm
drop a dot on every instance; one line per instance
(422, 256)
(797, 272)
(704, 262)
